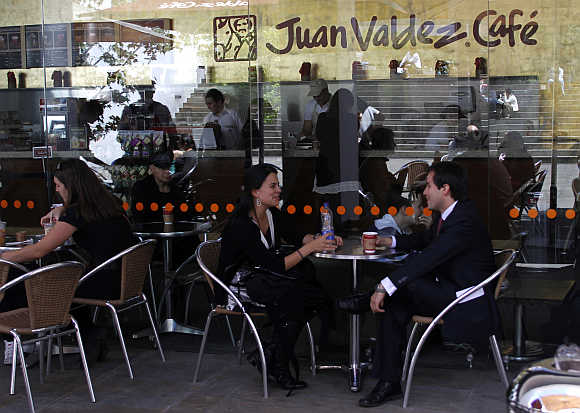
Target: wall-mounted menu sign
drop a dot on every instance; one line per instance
(55, 42)
(10, 47)
(84, 35)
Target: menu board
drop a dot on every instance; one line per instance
(85, 35)
(10, 47)
(55, 42)
(144, 31)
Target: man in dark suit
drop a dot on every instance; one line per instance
(455, 254)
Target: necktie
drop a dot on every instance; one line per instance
(439, 225)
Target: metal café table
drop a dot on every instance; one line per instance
(166, 235)
(352, 251)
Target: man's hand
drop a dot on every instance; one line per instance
(384, 242)
(377, 301)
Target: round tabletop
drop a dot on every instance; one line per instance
(352, 250)
(180, 229)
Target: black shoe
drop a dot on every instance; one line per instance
(383, 392)
(355, 304)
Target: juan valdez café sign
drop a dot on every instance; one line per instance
(516, 26)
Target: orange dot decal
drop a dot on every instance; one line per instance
(392, 210)
(4, 204)
(214, 207)
(514, 213)
(139, 206)
(340, 210)
(230, 207)
(533, 213)
(322, 209)
(199, 207)
(570, 214)
(291, 209)
(307, 209)
(183, 207)
(154, 206)
(358, 210)
(30, 204)
(551, 213)
(168, 206)
(125, 206)
(427, 212)
(409, 211)
(17, 204)
(375, 210)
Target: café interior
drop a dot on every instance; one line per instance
(129, 86)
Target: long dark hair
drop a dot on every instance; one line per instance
(254, 177)
(86, 192)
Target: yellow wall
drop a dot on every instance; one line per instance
(556, 36)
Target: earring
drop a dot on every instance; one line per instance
(258, 202)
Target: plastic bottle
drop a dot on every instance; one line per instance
(326, 221)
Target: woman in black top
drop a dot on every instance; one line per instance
(251, 238)
(97, 223)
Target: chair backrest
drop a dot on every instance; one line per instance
(411, 172)
(135, 262)
(474, 289)
(5, 266)
(208, 256)
(49, 291)
(541, 176)
(134, 267)
(208, 253)
(537, 166)
(501, 258)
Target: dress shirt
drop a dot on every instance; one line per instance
(231, 127)
(386, 282)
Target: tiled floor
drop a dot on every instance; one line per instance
(442, 384)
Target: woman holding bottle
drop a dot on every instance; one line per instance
(286, 286)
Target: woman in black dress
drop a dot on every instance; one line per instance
(98, 225)
(251, 238)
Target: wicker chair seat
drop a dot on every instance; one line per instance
(97, 302)
(18, 320)
(225, 311)
(419, 319)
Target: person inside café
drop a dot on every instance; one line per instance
(516, 158)
(152, 193)
(224, 122)
(337, 165)
(94, 218)
(286, 286)
(455, 254)
(318, 104)
(472, 149)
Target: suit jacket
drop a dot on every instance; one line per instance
(460, 257)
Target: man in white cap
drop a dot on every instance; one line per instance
(319, 104)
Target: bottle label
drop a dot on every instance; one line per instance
(328, 231)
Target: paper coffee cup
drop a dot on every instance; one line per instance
(369, 241)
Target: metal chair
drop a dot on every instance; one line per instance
(135, 262)
(537, 166)
(503, 259)
(208, 256)
(49, 291)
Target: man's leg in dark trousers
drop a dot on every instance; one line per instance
(422, 297)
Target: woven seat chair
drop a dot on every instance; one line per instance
(208, 257)
(134, 266)
(503, 260)
(49, 291)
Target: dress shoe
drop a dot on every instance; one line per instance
(355, 304)
(383, 392)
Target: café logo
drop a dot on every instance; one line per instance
(398, 34)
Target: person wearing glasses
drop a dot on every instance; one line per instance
(96, 221)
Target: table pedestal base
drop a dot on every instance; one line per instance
(171, 325)
(529, 351)
(354, 373)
